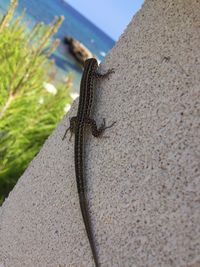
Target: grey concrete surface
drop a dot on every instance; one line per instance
(144, 180)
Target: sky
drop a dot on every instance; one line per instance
(111, 16)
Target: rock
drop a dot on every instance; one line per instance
(78, 50)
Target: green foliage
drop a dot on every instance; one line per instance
(28, 110)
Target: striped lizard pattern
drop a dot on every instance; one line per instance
(77, 126)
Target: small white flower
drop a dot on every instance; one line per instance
(74, 95)
(40, 101)
(50, 88)
(67, 108)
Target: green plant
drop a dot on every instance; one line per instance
(30, 107)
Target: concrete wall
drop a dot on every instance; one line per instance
(144, 180)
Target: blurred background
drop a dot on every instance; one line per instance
(43, 46)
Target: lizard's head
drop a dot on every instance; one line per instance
(91, 63)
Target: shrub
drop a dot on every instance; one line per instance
(30, 106)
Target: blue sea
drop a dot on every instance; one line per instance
(75, 25)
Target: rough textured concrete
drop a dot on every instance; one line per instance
(143, 181)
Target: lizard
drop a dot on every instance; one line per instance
(77, 126)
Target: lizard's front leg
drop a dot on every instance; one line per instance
(72, 127)
(103, 75)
